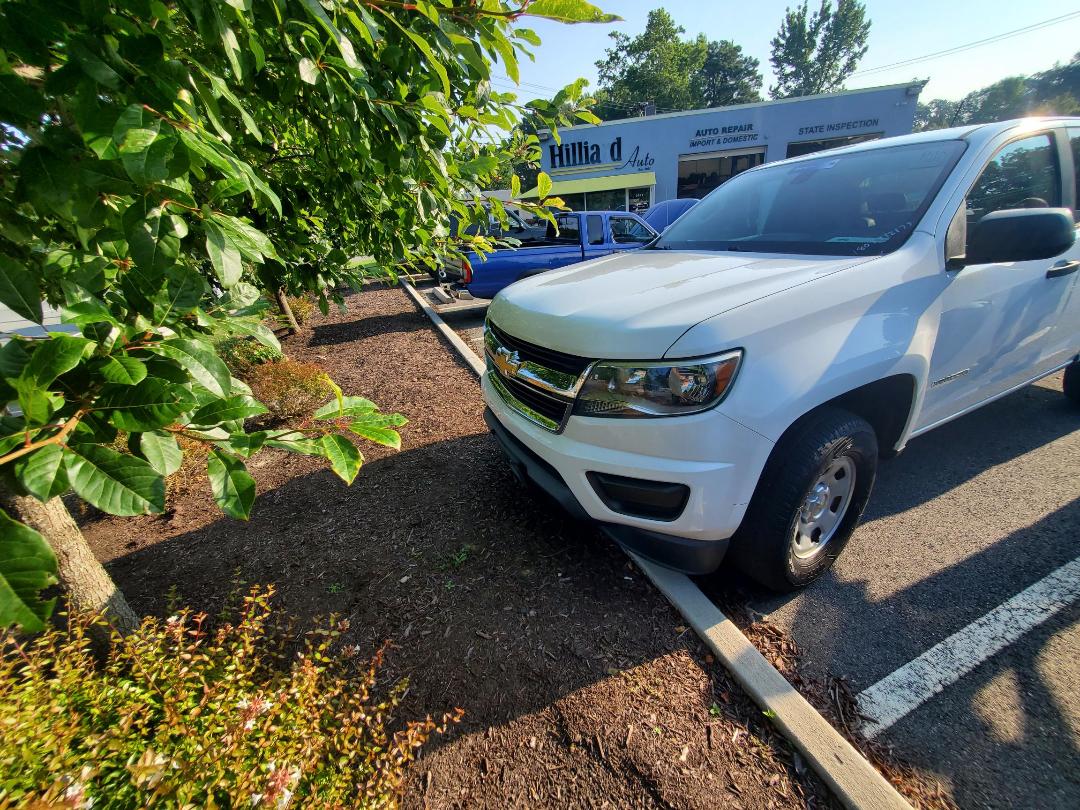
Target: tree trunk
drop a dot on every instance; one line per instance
(88, 587)
(286, 310)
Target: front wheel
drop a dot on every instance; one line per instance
(811, 495)
(1071, 383)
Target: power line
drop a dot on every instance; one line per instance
(968, 46)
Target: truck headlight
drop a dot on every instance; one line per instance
(669, 388)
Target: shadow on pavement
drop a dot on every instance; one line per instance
(1002, 735)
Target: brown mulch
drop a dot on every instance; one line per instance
(580, 685)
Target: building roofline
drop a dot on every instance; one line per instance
(919, 83)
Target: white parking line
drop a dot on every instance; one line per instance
(897, 694)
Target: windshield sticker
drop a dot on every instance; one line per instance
(868, 242)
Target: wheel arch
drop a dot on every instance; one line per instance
(887, 404)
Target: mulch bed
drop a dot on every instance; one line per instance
(579, 683)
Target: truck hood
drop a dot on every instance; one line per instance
(634, 306)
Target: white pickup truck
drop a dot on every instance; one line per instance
(728, 389)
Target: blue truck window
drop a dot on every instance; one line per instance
(569, 231)
(596, 229)
(624, 229)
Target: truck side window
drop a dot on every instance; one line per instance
(1023, 174)
(1074, 142)
(569, 231)
(625, 230)
(596, 229)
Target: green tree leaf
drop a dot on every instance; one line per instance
(543, 185)
(224, 255)
(232, 485)
(569, 11)
(19, 289)
(226, 410)
(344, 45)
(247, 444)
(309, 72)
(53, 357)
(116, 483)
(376, 427)
(348, 406)
(154, 242)
(42, 472)
(201, 362)
(345, 459)
(161, 451)
(151, 404)
(27, 566)
(122, 370)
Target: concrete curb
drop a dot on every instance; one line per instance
(856, 782)
(851, 777)
(467, 354)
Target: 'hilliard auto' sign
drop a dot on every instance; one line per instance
(573, 154)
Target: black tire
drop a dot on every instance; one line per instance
(821, 441)
(1071, 383)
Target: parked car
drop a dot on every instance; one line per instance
(728, 390)
(580, 235)
(661, 215)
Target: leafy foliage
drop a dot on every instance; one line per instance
(184, 714)
(660, 67)
(815, 53)
(162, 162)
(1050, 92)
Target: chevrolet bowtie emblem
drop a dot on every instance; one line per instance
(507, 362)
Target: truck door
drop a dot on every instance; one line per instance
(997, 326)
(1068, 328)
(596, 242)
(630, 233)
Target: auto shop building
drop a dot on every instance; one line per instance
(630, 164)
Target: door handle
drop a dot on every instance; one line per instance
(1063, 268)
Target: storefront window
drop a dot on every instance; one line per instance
(699, 175)
(575, 202)
(809, 147)
(640, 199)
(613, 200)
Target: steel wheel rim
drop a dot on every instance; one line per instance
(823, 508)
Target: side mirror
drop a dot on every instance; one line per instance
(1020, 235)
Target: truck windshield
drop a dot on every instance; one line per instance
(863, 203)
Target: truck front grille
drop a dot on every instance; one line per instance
(548, 358)
(536, 406)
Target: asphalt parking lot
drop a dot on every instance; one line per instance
(967, 518)
(964, 570)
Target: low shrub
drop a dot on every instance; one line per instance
(302, 307)
(289, 388)
(182, 714)
(242, 354)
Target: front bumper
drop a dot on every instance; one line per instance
(681, 450)
(689, 556)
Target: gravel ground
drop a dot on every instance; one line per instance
(579, 683)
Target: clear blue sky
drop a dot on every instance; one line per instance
(902, 29)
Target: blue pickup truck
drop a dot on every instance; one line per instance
(580, 236)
